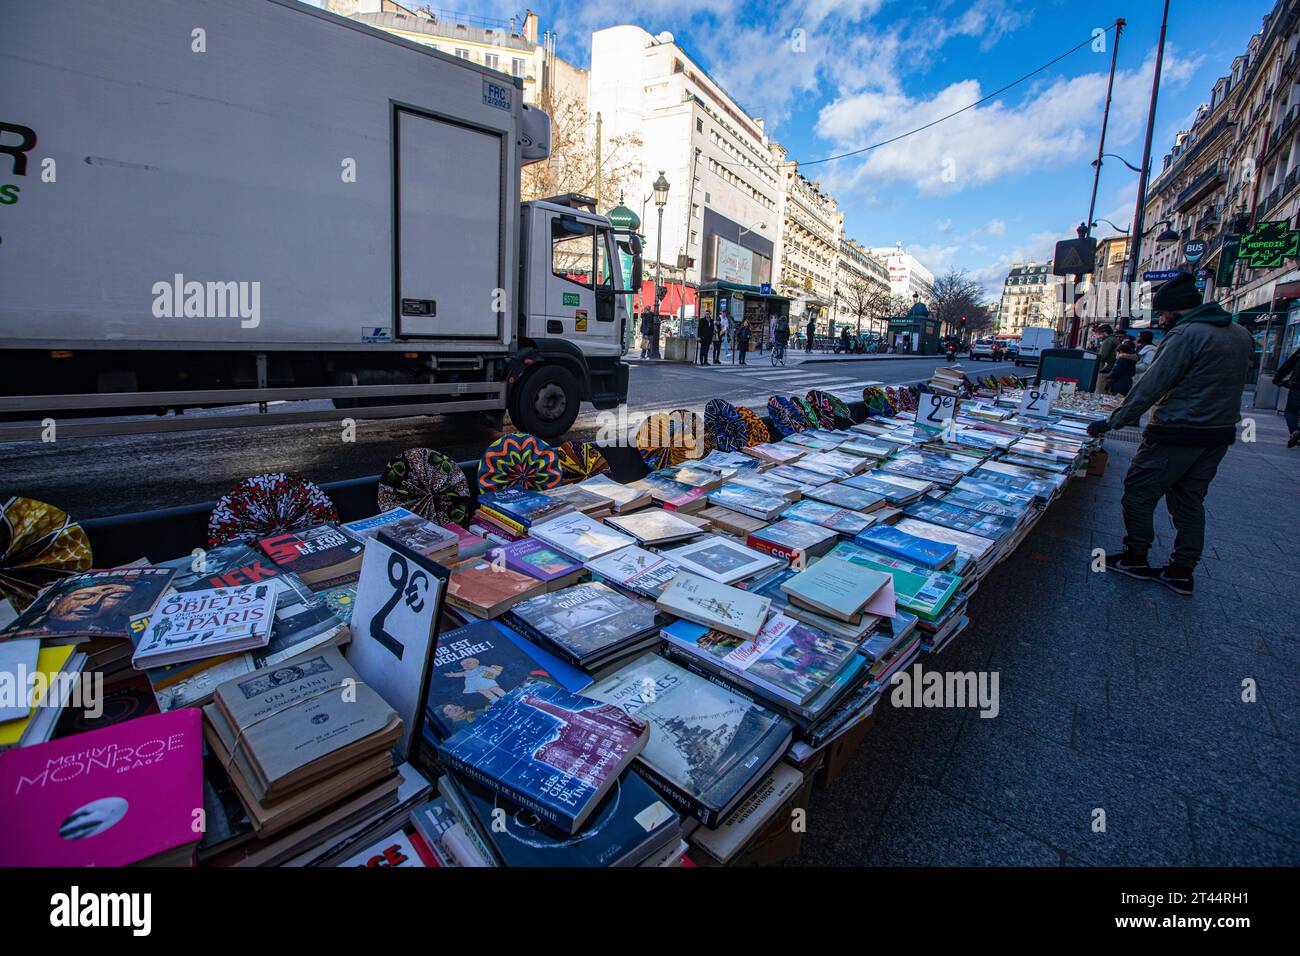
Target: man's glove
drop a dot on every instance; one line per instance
(1097, 429)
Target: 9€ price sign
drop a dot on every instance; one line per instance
(934, 410)
(1037, 401)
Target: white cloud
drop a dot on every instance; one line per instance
(943, 226)
(996, 227)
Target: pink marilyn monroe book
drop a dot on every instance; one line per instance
(109, 797)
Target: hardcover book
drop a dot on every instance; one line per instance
(842, 590)
(721, 559)
(896, 542)
(844, 496)
(842, 521)
(732, 522)
(777, 453)
(192, 625)
(976, 546)
(837, 461)
(920, 590)
(580, 537)
(552, 752)
(637, 570)
(793, 540)
(630, 824)
(112, 797)
(714, 605)
(587, 624)
(748, 501)
(321, 551)
(476, 665)
(965, 498)
(580, 499)
(623, 497)
(889, 486)
(228, 566)
(525, 508)
(803, 477)
(727, 841)
(535, 559)
(94, 604)
(418, 534)
(488, 588)
(708, 747)
(654, 526)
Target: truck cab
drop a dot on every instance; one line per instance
(578, 276)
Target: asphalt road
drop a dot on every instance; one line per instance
(93, 477)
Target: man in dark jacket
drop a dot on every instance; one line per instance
(647, 332)
(1106, 350)
(812, 332)
(1288, 376)
(706, 338)
(1195, 385)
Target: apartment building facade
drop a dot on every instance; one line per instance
(1031, 297)
(907, 276)
(809, 232)
(859, 276)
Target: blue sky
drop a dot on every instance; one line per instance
(1017, 168)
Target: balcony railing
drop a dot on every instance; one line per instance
(1212, 176)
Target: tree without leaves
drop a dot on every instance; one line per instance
(865, 299)
(571, 167)
(955, 295)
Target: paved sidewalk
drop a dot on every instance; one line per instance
(1116, 695)
(792, 357)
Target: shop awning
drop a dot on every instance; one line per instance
(749, 291)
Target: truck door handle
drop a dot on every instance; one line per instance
(554, 327)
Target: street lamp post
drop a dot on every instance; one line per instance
(661, 200)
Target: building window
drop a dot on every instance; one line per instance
(462, 52)
(490, 60)
(516, 67)
(699, 125)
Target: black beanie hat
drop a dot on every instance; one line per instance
(1177, 294)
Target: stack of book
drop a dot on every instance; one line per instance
(590, 626)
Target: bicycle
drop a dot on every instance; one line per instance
(778, 353)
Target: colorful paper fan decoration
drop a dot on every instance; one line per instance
(39, 544)
(519, 460)
(580, 460)
(671, 438)
(877, 401)
(724, 424)
(831, 412)
(758, 433)
(427, 483)
(786, 416)
(810, 414)
(268, 504)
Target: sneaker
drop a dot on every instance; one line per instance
(1294, 439)
(1176, 578)
(1133, 565)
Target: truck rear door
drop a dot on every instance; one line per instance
(449, 229)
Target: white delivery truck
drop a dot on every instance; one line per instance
(226, 202)
(1032, 343)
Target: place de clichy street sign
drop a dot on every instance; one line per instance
(1269, 244)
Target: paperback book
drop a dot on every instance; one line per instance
(793, 540)
(580, 536)
(955, 516)
(321, 551)
(721, 559)
(920, 590)
(621, 497)
(844, 496)
(842, 521)
(748, 501)
(635, 569)
(228, 566)
(714, 605)
(192, 625)
(418, 534)
(842, 590)
(486, 588)
(538, 560)
(654, 526)
(96, 604)
(522, 507)
(896, 542)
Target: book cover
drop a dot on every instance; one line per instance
(975, 501)
(228, 566)
(733, 522)
(309, 552)
(960, 518)
(579, 499)
(654, 526)
(748, 501)
(842, 589)
(721, 559)
(630, 823)
(714, 605)
(586, 622)
(94, 604)
(842, 521)
(476, 665)
(552, 752)
(525, 508)
(636, 569)
(192, 625)
(536, 559)
(708, 746)
(844, 496)
(793, 540)
(725, 842)
(417, 533)
(920, 590)
(622, 496)
(895, 542)
(487, 588)
(976, 546)
(109, 797)
(580, 537)
(803, 477)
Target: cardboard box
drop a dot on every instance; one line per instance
(1097, 463)
(840, 751)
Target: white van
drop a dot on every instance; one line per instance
(1032, 343)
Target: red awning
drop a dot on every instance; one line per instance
(672, 302)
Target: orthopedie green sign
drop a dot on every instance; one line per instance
(1269, 244)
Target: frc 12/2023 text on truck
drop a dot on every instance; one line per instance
(253, 201)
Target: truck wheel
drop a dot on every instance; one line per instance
(546, 402)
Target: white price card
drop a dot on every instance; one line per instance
(1037, 401)
(934, 410)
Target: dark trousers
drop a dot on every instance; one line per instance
(704, 351)
(717, 351)
(1181, 475)
(742, 348)
(1292, 411)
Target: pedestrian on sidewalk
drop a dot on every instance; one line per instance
(845, 345)
(1288, 376)
(1121, 374)
(1106, 349)
(812, 331)
(780, 335)
(742, 340)
(1146, 353)
(647, 330)
(719, 337)
(706, 338)
(1195, 385)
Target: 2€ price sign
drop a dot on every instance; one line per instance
(934, 411)
(1037, 401)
